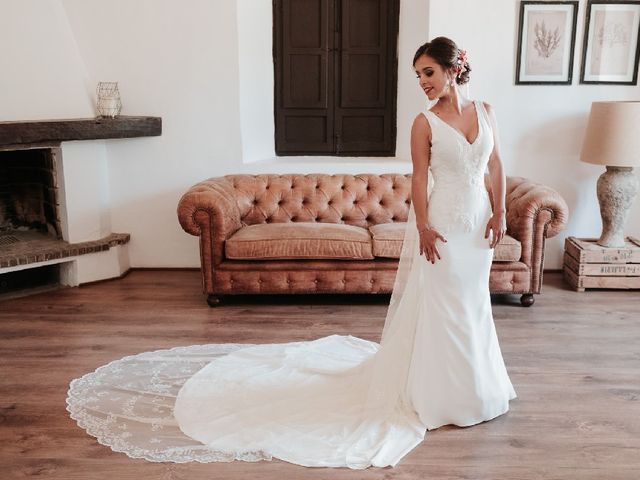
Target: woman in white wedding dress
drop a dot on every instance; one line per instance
(341, 401)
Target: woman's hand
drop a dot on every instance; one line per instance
(428, 237)
(497, 224)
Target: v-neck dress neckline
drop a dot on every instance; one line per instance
(475, 106)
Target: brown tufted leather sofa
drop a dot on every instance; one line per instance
(320, 233)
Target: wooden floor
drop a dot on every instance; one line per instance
(574, 360)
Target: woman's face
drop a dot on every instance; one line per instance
(433, 79)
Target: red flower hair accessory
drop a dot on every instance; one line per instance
(461, 59)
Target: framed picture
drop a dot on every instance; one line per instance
(610, 50)
(546, 40)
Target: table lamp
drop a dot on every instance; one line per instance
(613, 139)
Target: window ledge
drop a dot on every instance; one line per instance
(328, 164)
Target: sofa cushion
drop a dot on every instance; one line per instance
(387, 242)
(387, 239)
(508, 250)
(299, 240)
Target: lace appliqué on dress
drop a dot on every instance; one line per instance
(461, 214)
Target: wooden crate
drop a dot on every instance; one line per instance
(588, 265)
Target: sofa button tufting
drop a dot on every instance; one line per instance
(344, 281)
(372, 280)
(315, 281)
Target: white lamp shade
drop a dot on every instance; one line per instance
(613, 134)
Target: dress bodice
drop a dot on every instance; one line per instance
(453, 159)
(459, 198)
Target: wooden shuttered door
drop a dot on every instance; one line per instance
(335, 76)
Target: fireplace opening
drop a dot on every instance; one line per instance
(28, 195)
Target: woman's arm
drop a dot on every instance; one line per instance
(420, 156)
(497, 224)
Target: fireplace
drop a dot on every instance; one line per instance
(43, 238)
(28, 194)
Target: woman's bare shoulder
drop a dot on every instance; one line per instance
(421, 124)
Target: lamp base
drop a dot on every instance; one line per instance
(617, 188)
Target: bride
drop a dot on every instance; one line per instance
(341, 401)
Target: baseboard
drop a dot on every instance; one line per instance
(94, 282)
(178, 269)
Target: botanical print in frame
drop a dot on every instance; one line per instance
(546, 41)
(610, 51)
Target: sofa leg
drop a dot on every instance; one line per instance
(213, 300)
(527, 299)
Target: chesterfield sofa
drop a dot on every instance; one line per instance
(321, 233)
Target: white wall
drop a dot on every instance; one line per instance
(193, 65)
(179, 62)
(42, 73)
(44, 76)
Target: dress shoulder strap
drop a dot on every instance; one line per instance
(481, 109)
(429, 115)
(483, 112)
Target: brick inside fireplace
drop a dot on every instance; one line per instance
(28, 194)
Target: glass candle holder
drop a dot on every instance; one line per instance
(109, 103)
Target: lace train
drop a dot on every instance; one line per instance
(305, 402)
(128, 405)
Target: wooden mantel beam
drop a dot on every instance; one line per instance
(42, 131)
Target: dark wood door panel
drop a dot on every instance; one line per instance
(306, 52)
(363, 53)
(303, 131)
(335, 65)
(303, 61)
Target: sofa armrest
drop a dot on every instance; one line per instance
(209, 210)
(534, 212)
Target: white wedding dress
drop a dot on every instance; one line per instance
(337, 401)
